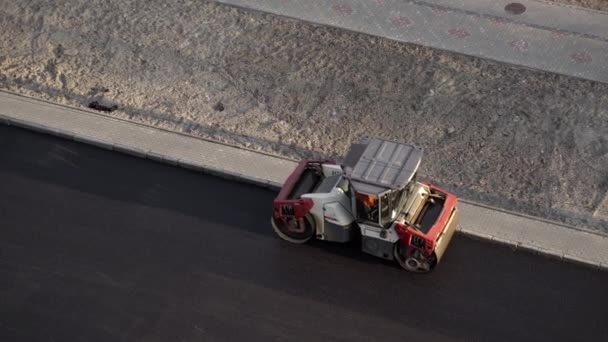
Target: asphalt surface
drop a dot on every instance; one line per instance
(98, 246)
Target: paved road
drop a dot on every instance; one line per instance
(97, 246)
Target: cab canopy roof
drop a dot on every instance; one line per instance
(376, 165)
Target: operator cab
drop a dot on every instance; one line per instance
(379, 208)
(381, 174)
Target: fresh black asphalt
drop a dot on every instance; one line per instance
(100, 246)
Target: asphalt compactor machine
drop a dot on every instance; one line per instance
(373, 192)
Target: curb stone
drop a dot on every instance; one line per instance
(94, 142)
(581, 261)
(157, 157)
(133, 151)
(505, 242)
(475, 235)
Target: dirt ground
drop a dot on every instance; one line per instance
(523, 140)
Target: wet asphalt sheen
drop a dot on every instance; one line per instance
(99, 246)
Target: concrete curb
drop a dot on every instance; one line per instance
(86, 140)
(530, 217)
(137, 152)
(518, 246)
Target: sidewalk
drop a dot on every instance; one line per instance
(547, 36)
(538, 236)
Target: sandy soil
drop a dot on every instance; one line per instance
(519, 139)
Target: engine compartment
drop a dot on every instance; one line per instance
(423, 207)
(309, 180)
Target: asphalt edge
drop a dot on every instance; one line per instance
(226, 174)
